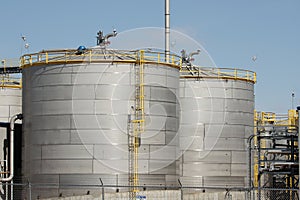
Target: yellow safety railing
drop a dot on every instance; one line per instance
(94, 55)
(220, 73)
(7, 81)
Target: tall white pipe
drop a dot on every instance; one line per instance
(167, 30)
(11, 147)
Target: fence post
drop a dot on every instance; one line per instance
(29, 190)
(102, 188)
(181, 192)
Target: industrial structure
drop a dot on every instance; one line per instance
(132, 118)
(10, 104)
(277, 154)
(217, 108)
(85, 115)
(137, 124)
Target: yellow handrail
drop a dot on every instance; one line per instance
(92, 55)
(224, 73)
(10, 82)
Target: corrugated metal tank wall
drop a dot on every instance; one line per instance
(75, 124)
(216, 119)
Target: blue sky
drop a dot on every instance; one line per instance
(232, 31)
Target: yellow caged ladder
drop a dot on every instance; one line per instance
(138, 124)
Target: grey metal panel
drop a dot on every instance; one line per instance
(51, 122)
(225, 130)
(66, 166)
(162, 109)
(83, 92)
(239, 105)
(51, 137)
(4, 112)
(45, 178)
(172, 82)
(224, 143)
(206, 169)
(92, 136)
(239, 157)
(67, 152)
(87, 179)
(207, 156)
(55, 107)
(242, 94)
(238, 169)
(239, 118)
(191, 143)
(172, 138)
(153, 137)
(162, 94)
(53, 79)
(117, 166)
(189, 130)
(159, 167)
(172, 124)
(157, 79)
(60, 92)
(224, 181)
(191, 181)
(109, 152)
(165, 153)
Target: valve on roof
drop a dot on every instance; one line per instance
(103, 40)
(187, 59)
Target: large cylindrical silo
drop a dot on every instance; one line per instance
(76, 107)
(10, 104)
(217, 108)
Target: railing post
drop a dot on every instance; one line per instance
(29, 192)
(47, 57)
(90, 55)
(235, 73)
(158, 57)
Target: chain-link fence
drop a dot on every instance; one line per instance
(28, 191)
(277, 194)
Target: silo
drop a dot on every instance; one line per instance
(10, 104)
(217, 108)
(10, 97)
(76, 108)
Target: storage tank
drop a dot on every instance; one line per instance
(10, 104)
(76, 107)
(217, 108)
(10, 97)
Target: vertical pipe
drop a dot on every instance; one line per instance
(12, 190)
(298, 110)
(167, 30)
(11, 148)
